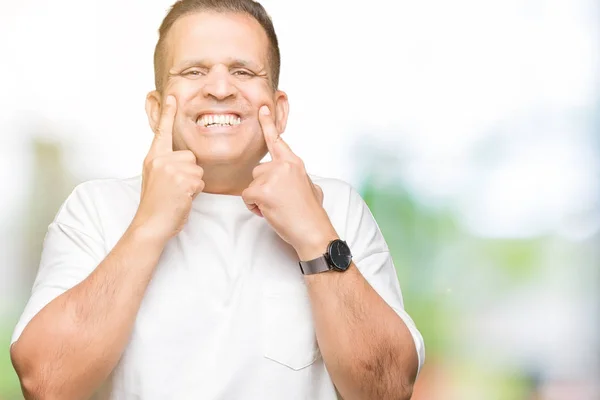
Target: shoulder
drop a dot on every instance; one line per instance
(333, 186)
(100, 188)
(342, 202)
(337, 192)
(91, 199)
(349, 212)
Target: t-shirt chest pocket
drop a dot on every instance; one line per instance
(288, 330)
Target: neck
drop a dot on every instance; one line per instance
(226, 179)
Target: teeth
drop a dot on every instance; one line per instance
(219, 120)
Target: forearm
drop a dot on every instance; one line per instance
(368, 350)
(73, 344)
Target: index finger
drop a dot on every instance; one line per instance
(277, 147)
(163, 137)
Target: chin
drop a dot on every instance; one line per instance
(222, 151)
(216, 155)
(216, 159)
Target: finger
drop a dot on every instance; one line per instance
(192, 184)
(261, 169)
(257, 211)
(251, 197)
(261, 180)
(277, 147)
(190, 169)
(198, 190)
(317, 191)
(163, 138)
(184, 156)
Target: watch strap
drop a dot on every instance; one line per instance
(315, 266)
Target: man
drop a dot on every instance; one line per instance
(212, 276)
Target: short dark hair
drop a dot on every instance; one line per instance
(182, 8)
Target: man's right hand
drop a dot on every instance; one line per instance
(170, 181)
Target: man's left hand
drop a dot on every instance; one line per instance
(283, 193)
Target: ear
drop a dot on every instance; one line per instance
(153, 104)
(282, 110)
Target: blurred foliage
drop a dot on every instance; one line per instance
(519, 260)
(9, 383)
(446, 273)
(51, 184)
(415, 236)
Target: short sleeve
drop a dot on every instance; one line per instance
(372, 257)
(72, 248)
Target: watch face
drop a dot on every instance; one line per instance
(340, 255)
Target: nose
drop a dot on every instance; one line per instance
(218, 84)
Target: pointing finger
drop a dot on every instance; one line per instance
(163, 138)
(277, 147)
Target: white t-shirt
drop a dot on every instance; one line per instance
(227, 314)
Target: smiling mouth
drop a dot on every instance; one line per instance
(216, 120)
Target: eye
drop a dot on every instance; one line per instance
(242, 72)
(193, 72)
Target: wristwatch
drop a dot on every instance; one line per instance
(337, 258)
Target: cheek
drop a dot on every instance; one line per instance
(256, 93)
(185, 91)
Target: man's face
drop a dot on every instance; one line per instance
(218, 71)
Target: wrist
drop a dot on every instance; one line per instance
(315, 245)
(147, 233)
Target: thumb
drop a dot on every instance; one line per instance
(318, 192)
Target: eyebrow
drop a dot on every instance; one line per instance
(231, 63)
